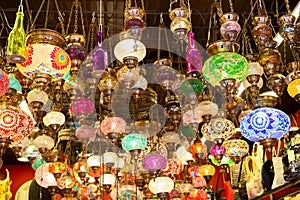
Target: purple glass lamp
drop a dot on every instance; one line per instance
(81, 108)
(154, 162)
(193, 56)
(99, 57)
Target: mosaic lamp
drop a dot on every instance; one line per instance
(154, 162)
(294, 89)
(207, 171)
(265, 125)
(4, 83)
(15, 125)
(134, 143)
(113, 127)
(225, 66)
(236, 149)
(54, 120)
(161, 186)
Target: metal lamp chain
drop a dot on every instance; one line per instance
(288, 7)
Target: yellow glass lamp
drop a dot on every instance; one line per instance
(294, 89)
(207, 171)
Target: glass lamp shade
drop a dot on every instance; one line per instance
(140, 84)
(128, 77)
(14, 82)
(94, 161)
(37, 163)
(260, 83)
(44, 141)
(186, 188)
(255, 69)
(183, 155)
(57, 168)
(76, 51)
(192, 116)
(110, 158)
(207, 170)
(187, 131)
(218, 128)
(16, 41)
(54, 117)
(173, 167)
(154, 161)
(208, 108)
(126, 192)
(43, 177)
(85, 132)
(230, 27)
(263, 123)
(134, 141)
(217, 150)
(81, 167)
(171, 137)
(198, 181)
(66, 181)
(198, 148)
(119, 164)
(108, 82)
(4, 83)
(45, 58)
(165, 75)
(15, 124)
(161, 185)
(107, 179)
(113, 125)
(37, 95)
(293, 88)
(130, 48)
(74, 84)
(82, 106)
(226, 65)
(180, 27)
(236, 148)
(191, 86)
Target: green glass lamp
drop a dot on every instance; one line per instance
(134, 143)
(225, 66)
(17, 40)
(192, 86)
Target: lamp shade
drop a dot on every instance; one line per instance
(134, 141)
(81, 167)
(236, 147)
(226, 65)
(44, 141)
(94, 161)
(85, 132)
(161, 185)
(54, 117)
(293, 88)
(107, 179)
(218, 128)
(263, 123)
(198, 148)
(57, 168)
(130, 48)
(217, 150)
(208, 108)
(43, 177)
(15, 124)
(82, 106)
(66, 181)
(4, 83)
(113, 125)
(14, 82)
(154, 161)
(255, 69)
(110, 158)
(45, 58)
(171, 137)
(207, 170)
(37, 95)
(191, 86)
(183, 155)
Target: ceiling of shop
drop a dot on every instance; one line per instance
(113, 18)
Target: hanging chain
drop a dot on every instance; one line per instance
(76, 5)
(37, 14)
(60, 18)
(231, 6)
(216, 5)
(91, 33)
(288, 7)
(47, 14)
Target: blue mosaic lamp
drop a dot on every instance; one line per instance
(265, 125)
